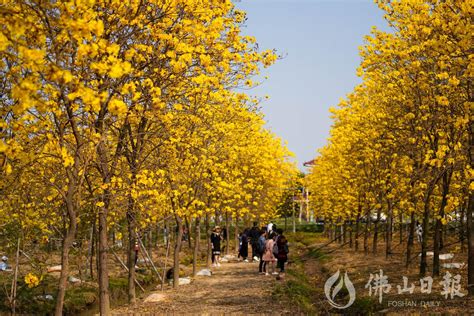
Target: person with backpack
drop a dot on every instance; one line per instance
(261, 250)
(268, 255)
(281, 250)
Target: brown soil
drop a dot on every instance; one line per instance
(234, 288)
(360, 265)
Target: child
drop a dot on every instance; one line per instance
(216, 246)
(268, 256)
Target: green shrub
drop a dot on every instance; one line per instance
(79, 298)
(118, 288)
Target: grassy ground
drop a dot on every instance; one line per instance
(302, 288)
(311, 265)
(301, 274)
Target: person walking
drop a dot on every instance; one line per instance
(216, 246)
(419, 232)
(244, 245)
(254, 235)
(268, 256)
(261, 250)
(282, 255)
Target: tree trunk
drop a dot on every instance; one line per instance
(188, 228)
(301, 212)
(166, 233)
(366, 235)
(103, 269)
(388, 233)
(246, 221)
(470, 224)
(67, 243)
(106, 171)
(356, 237)
(150, 242)
(444, 236)
(92, 249)
(113, 236)
(357, 228)
(470, 244)
(97, 254)
(462, 232)
(197, 238)
(294, 217)
(344, 232)
(158, 234)
(208, 238)
(424, 242)
(236, 233)
(131, 251)
(227, 235)
(439, 225)
(177, 248)
(411, 238)
(400, 218)
(13, 293)
(376, 230)
(217, 219)
(338, 233)
(350, 235)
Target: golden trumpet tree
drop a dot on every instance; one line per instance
(126, 110)
(401, 142)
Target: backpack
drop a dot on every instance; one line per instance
(261, 245)
(275, 248)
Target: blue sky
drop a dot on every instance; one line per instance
(319, 41)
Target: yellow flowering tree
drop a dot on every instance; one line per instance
(401, 142)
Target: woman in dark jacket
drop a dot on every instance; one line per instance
(216, 246)
(244, 245)
(282, 256)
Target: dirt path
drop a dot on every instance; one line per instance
(234, 288)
